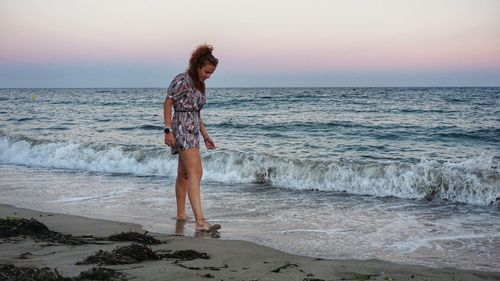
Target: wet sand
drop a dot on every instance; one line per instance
(229, 259)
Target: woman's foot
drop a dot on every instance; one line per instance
(205, 226)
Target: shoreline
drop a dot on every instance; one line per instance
(230, 259)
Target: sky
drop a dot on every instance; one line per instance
(259, 43)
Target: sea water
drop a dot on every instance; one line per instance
(408, 175)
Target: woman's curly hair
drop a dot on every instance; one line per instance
(200, 57)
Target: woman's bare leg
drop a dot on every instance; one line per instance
(191, 163)
(181, 191)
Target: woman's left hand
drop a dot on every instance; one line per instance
(209, 143)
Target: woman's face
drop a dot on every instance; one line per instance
(205, 71)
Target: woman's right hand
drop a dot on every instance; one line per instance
(169, 139)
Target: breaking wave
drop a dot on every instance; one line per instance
(473, 181)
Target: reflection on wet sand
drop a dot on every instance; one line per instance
(179, 227)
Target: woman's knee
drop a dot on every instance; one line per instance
(191, 165)
(181, 171)
(182, 175)
(195, 173)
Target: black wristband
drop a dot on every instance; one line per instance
(167, 130)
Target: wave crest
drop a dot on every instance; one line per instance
(474, 181)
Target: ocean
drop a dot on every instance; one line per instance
(407, 175)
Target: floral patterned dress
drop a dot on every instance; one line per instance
(188, 102)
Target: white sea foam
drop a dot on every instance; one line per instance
(97, 158)
(473, 181)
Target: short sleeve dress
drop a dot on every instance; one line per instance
(188, 102)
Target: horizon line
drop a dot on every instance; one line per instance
(251, 87)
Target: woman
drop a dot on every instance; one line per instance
(186, 95)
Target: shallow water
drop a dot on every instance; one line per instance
(320, 224)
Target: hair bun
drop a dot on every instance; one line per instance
(203, 50)
(201, 55)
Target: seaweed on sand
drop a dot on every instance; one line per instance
(122, 255)
(136, 253)
(12, 272)
(136, 237)
(287, 265)
(100, 273)
(10, 227)
(359, 276)
(185, 255)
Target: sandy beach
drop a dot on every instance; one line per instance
(227, 260)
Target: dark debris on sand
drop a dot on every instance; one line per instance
(122, 255)
(287, 265)
(10, 227)
(214, 268)
(359, 276)
(13, 273)
(100, 273)
(24, 255)
(352, 277)
(185, 255)
(136, 253)
(135, 237)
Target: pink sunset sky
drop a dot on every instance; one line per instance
(123, 43)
